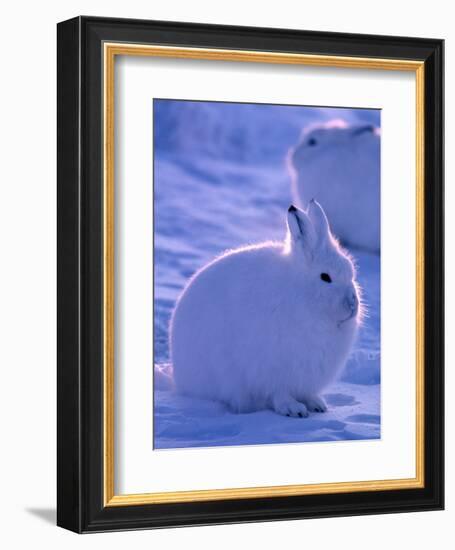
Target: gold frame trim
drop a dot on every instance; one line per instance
(110, 50)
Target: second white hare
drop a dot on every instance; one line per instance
(341, 165)
(269, 325)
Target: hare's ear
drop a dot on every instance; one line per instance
(319, 220)
(300, 228)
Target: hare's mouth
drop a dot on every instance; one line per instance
(351, 316)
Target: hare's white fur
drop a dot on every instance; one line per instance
(258, 328)
(336, 165)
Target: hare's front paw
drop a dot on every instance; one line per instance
(316, 404)
(288, 406)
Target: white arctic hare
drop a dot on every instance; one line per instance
(268, 325)
(341, 165)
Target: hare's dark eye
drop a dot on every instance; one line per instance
(326, 277)
(312, 142)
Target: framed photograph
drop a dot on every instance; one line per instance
(250, 274)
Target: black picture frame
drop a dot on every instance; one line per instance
(80, 476)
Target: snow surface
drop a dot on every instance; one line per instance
(221, 181)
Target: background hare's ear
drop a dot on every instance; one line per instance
(319, 219)
(300, 227)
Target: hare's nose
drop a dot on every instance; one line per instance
(351, 301)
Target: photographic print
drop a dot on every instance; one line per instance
(267, 274)
(250, 264)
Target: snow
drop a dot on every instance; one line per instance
(183, 422)
(221, 181)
